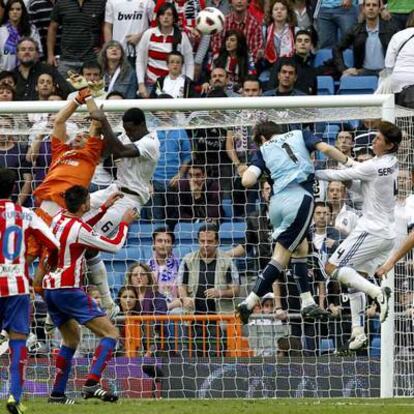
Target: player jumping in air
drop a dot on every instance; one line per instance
(285, 157)
(372, 240)
(16, 224)
(68, 304)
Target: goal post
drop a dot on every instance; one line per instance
(205, 113)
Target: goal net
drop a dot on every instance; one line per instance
(169, 350)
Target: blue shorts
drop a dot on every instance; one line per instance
(15, 314)
(290, 213)
(66, 304)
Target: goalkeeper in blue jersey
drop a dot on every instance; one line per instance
(285, 158)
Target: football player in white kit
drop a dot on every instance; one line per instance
(370, 243)
(136, 152)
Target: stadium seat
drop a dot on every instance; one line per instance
(227, 206)
(322, 55)
(348, 56)
(330, 133)
(326, 345)
(186, 232)
(181, 250)
(232, 232)
(326, 85)
(357, 85)
(375, 348)
(140, 232)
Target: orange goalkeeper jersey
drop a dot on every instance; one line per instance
(69, 167)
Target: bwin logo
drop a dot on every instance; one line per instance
(130, 16)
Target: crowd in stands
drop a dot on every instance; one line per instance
(151, 49)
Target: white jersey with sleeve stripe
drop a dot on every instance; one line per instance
(378, 187)
(76, 236)
(16, 224)
(136, 173)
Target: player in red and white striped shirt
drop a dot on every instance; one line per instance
(67, 302)
(16, 224)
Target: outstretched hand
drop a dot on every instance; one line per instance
(113, 199)
(98, 114)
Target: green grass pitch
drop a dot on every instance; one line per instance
(227, 406)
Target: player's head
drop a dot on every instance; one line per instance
(388, 138)
(77, 199)
(163, 240)
(134, 123)
(265, 130)
(8, 179)
(76, 138)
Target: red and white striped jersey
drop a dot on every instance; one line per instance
(76, 235)
(16, 224)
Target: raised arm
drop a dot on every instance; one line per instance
(334, 153)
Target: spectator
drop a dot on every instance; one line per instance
(125, 22)
(258, 244)
(209, 283)
(398, 10)
(39, 12)
(127, 301)
(279, 31)
(334, 16)
(303, 58)
(251, 86)
(345, 140)
(7, 93)
(155, 45)
(343, 217)
(304, 10)
(12, 156)
(369, 41)
(235, 58)
(175, 157)
(287, 77)
(150, 300)
(198, 196)
(218, 80)
(117, 72)
(93, 73)
(164, 265)
(399, 60)
(8, 77)
(81, 33)
(29, 69)
(239, 19)
(175, 83)
(15, 25)
(45, 86)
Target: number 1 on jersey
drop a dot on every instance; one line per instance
(289, 152)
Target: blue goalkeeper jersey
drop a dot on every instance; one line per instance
(287, 160)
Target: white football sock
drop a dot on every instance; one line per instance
(357, 301)
(98, 277)
(352, 278)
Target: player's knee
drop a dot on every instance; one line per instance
(114, 333)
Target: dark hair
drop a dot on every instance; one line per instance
(304, 32)
(177, 36)
(75, 196)
(28, 39)
(392, 134)
(241, 53)
(323, 204)
(164, 229)
(134, 115)
(92, 65)
(198, 166)
(176, 53)
(252, 78)
(7, 74)
(10, 88)
(8, 179)
(135, 309)
(24, 27)
(284, 61)
(267, 129)
(115, 93)
(208, 227)
(164, 96)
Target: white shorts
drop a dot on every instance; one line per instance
(362, 251)
(110, 221)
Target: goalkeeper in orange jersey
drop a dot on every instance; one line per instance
(75, 155)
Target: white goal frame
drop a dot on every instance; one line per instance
(384, 103)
